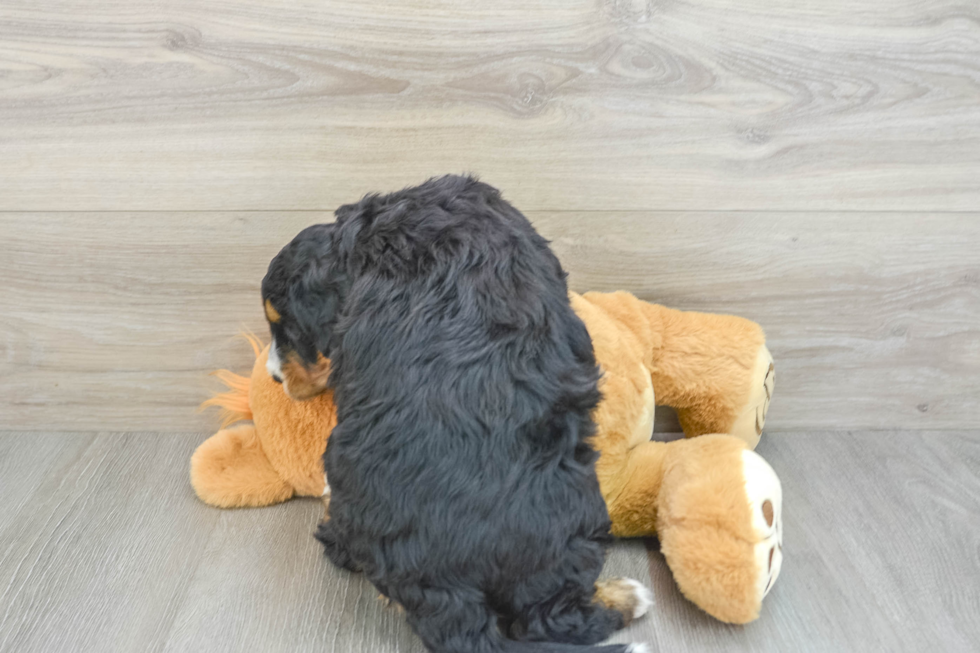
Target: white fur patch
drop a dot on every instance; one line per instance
(326, 486)
(644, 597)
(273, 366)
(761, 485)
(638, 648)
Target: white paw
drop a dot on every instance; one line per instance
(644, 597)
(638, 648)
(765, 495)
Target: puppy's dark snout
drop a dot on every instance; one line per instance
(277, 378)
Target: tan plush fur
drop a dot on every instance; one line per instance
(699, 364)
(705, 529)
(230, 470)
(281, 456)
(713, 369)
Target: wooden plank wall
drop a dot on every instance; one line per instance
(815, 167)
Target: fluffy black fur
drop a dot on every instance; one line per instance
(462, 478)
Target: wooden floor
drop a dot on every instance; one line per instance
(103, 547)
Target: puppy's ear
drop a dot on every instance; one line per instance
(308, 278)
(316, 300)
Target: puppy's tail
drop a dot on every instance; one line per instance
(511, 646)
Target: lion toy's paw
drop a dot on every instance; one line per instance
(720, 524)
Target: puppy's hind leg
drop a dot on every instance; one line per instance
(460, 621)
(451, 620)
(566, 604)
(624, 596)
(586, 617)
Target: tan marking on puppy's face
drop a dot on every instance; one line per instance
(302, 382)
(271, 313)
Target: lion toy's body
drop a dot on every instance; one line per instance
(714, 504)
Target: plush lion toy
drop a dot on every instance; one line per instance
(714, 504)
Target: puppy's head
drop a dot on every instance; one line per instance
(302, 295)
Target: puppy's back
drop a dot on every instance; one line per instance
(464, 384)
(459, 292)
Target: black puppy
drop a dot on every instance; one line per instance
(462, 477)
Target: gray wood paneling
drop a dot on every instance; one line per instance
(112, 321)
(610, 104)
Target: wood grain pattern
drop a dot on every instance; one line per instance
(113, 321)
(264, 585)
(100, 555)
(615, 104)
(112, 552)
(26, 461)
(117, 319)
